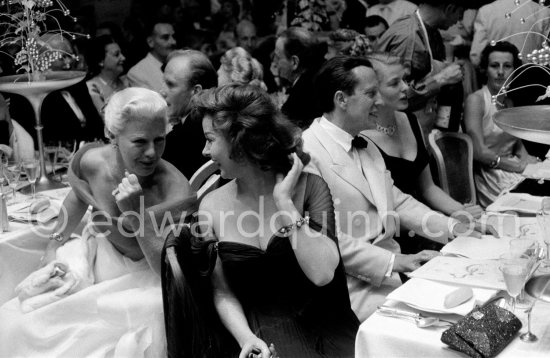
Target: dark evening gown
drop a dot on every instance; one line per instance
(281, 304)
(405, 175)
(405, 172)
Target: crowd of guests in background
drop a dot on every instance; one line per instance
(340, 90)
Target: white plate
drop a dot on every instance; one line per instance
(460, 309)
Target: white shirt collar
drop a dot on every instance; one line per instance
(339, 135)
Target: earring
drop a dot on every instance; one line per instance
(115, 145)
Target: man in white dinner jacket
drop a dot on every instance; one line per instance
(368, 207)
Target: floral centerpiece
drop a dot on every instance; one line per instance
(22, 22)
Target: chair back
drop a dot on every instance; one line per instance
(454, 155)
(205, 179)
(193, 328)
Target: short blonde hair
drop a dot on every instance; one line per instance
(131, 104)
(242, 68)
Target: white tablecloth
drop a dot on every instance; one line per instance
(22, 243)
(381, 336)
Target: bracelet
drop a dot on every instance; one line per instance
(495, 162)
(286, 231)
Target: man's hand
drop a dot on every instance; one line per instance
(408, 263)
(476, 229)
(449, 75)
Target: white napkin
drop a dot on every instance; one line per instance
(20, 212)
(427, 295)
(537, 170)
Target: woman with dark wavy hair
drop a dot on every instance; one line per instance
(275, 270)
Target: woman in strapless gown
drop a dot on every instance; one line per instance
(120, 314)
(268, 237)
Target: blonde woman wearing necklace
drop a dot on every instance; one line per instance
(399, 137)
(499, 158)
(106, 64)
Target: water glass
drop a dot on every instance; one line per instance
(515, 270)
(12, 173)
(32, 170)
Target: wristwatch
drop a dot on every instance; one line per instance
(57, 236)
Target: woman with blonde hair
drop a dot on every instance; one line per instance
(238, 66)
(132, 193)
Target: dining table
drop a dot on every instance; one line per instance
(24, 242)
(382, 335)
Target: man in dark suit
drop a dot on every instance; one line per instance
(187, 72)
(295, 60)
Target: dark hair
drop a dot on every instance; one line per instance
(97, 53)
(335, 75)
(251, 123)
(299, 42)
(201, 70)
(375, 20)
(500, 46)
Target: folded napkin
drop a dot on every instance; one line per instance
(70, 272)
(537, 170)
(437, 297)
(21, 212)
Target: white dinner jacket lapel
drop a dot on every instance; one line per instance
(377, 176)
(342, 164)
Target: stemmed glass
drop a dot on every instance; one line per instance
(32, 170)
(515, 270)
(12, 172)
(529, 336)
(3, 164)
(543, 218)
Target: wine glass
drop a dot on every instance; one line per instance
(12, 173)
(515, 270)
(543, 218)
(32, 170)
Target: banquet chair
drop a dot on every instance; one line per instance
(205, 179)
(59, 157)
(454, 156)
(192, 326)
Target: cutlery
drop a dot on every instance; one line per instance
(421, 321)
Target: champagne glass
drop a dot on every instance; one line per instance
(515, 270)
(543, 218)
(12, 173)
(32, 170)
(529, 336)
(524, 246)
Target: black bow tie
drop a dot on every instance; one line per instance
(359, 142)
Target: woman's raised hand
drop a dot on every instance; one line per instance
(284, 184)
(127, 193)
(255, 347)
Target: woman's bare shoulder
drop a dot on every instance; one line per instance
(218, 200)
(172, 179)
(94, 161)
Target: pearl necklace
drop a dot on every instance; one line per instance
(389, 130)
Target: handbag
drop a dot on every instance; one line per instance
(483, 332)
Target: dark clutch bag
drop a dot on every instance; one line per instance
(484, 332)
